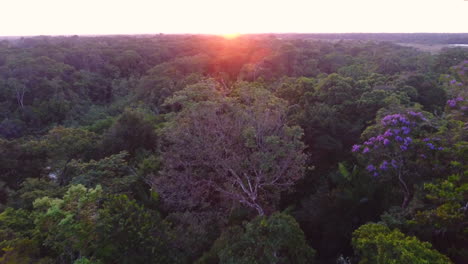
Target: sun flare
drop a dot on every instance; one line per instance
(231, 35)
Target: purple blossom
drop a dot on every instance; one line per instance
(398, 138)
(426, 139)
(386, 142)
(405, 130)
(403, 147)
(408, 140)
(366, 149)
(440, 148)
(415, 114)
(394, 163)
(453, 81)
(423, 156)
(394, 120)
(452, 103)
(356, 148)
(396, 131)
(376, 174)
(388, 133)
(430, 145)
(370, 168)
(384, 165)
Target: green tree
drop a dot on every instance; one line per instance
(17, 244)
(65, 144)
(377, 244)
(134, 130)
(444, 215)
(67, 226)
(113, 173)
(34, 188)
(274, 239)
(21, 159)
(130, 233)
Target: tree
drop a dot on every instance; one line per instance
(65, 144)
(67, 226)
(16, 237)
(429, 94)
(445, 214)
(113, 173)
(377, 244)
(129, 233)
(133, 130)
(19, 160)
(274, 239)
(397, 146)
(70, 143)
(32, 189)
(238, 148)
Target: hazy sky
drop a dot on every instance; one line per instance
(36, 17)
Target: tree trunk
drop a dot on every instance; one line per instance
(260, 210)
(406, 191)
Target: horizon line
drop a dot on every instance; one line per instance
(218, 34)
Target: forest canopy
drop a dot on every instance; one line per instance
(256, 149)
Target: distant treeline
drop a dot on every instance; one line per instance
(423, 38)
(426, 38)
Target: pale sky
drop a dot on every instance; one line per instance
(67, 17)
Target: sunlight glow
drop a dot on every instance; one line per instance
(230, 35)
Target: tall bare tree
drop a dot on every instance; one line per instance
(236, 148)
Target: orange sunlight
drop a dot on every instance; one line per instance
(230, 35)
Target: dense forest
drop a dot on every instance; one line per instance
(257, 149)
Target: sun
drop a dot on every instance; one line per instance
(230, 35)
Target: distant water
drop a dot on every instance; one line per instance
(459, 45)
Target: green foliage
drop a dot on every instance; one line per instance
(129, 233)
(19, 160)
(376, 243)
(347, 193)
(15, 223)
(22, 251)
(444, 214)
(113, 173)
(70, 143)
(195, 232)
(32, 189)
(68, 225)
(450, 197)
(191, 135)
(17, 238)
(85, 261)
(134, 130)
(274, 239)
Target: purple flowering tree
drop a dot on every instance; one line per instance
(456, 86)
(397, 144)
